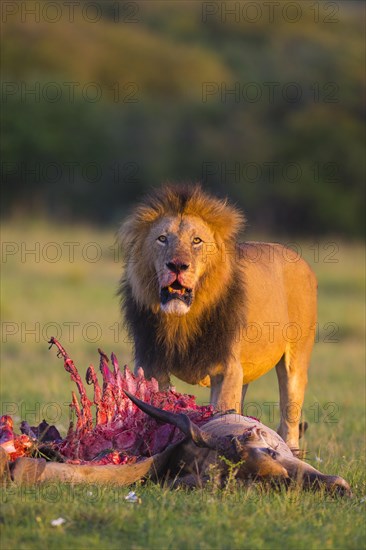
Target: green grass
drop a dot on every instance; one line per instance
(34, 385)
(180, 519)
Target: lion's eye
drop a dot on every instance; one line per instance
(197, 240)
(162, 239)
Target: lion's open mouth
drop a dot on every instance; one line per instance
(176, 291)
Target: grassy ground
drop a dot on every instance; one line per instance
(73, 298)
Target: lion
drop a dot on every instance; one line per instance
(210, 311)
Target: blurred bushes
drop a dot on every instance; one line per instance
(120, 106)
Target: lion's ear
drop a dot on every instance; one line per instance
(127, 234)
(135, 226)
(229, 223)
(226, 220)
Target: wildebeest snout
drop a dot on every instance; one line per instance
(260, 462)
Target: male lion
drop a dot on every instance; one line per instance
(210, 311)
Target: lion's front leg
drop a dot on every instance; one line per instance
(292, 379)
(226, 388)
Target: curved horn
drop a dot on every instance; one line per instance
(182, 421)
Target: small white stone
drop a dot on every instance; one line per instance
(57, 522)
(132, 497)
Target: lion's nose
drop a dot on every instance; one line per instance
(177, 266)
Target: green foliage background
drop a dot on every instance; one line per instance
(151, 122)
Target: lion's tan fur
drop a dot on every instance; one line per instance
(236, 287)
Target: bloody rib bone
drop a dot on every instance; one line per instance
(91, 378)
(118, 385)
(109, 397)
(75, 405)
(85, 419)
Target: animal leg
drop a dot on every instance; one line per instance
(292, 381)
(226, 389)
(307, 476)
(244, 391)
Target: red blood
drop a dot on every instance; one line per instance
(111, 429)
(15, 445)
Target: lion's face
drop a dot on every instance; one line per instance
(173, 244)
(179, 247)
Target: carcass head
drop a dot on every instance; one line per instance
(255, 457)
(258, 457)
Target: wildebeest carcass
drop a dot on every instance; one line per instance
(229, 439)
(179, 442)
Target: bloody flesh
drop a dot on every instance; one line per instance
(110, 428)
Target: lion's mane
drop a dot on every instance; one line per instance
(190, 344)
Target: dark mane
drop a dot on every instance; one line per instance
(210, 346)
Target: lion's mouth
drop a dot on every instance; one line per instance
(176, 291)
